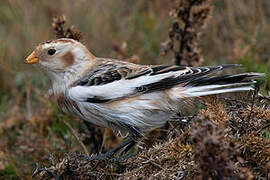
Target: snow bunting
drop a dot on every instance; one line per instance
(125, 96)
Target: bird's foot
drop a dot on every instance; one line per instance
(110, 154)
(107, 156)
(101, 156)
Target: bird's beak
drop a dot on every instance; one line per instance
(31, 59)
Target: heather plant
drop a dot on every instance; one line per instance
(190, 17)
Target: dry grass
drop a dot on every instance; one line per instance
(31, 126)
(205, 150)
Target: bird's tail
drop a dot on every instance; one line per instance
(220, 84)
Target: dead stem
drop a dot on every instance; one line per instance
(76, 137)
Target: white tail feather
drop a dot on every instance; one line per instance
(219, 91)
(216, 89)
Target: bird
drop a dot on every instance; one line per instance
(124, 96)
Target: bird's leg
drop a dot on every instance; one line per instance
(128, 147)
(128, 144)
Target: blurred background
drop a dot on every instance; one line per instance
(31, 125)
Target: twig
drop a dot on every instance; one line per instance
(182, 43)
(253, 102)
(262, 128)
(180, 121)
(190, 17)
(58, 23)
(152, 162)
(39, 170)
(76, 137)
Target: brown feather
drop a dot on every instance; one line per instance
(68, 59)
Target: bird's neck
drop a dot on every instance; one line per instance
(63, 80)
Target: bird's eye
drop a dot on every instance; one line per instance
(51, 52)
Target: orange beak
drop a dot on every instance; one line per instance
(31, 59)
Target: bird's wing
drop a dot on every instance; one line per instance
(114, 81)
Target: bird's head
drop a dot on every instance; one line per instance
(59, 55)
(63, 60)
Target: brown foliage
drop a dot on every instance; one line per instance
(60, 32)
(256, 150)
(205, 150)
(189, 19)
(215, 154)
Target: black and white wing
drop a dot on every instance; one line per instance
(114, 81)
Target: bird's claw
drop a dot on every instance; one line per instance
(100, 156)
(107, 156)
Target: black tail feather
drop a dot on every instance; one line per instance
(227, 79)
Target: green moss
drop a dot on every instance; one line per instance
(266, 134)
(10, 173)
